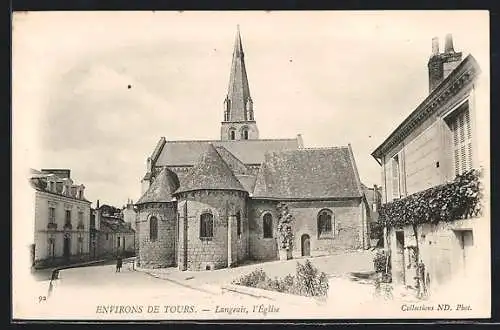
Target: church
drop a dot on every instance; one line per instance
(211, 204)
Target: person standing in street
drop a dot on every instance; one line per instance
(118, 263)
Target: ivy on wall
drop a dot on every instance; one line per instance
(459, 199)
(285, 233)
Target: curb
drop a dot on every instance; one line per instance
(270, 295)
(204, 290)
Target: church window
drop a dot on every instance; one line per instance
(267, 224)
(232, 135)
(153, 229)
(325, 219)
(238, 223)
(244, 134)
(206, 225)
(118, 242)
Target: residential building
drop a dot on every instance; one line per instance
(213, 203)
(62, 218)
(112, 235)
(439, 140)
(374, 201)
(130, 217)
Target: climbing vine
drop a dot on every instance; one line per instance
(285, 234)
(458, 199)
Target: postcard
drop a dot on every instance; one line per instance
(251, 165)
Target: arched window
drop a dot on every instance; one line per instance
(232, 134)
(267, 224)
(325, 224)
(206, 225)
(238, 223)
(153, 228)
(244, 134)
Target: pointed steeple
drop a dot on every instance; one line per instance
(239, 122)
(238, 92)
(211, 172)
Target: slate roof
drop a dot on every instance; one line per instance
(238, 91)
(211, 172)
(247, 181)
(182, 153)
(38, 181)
(161, 189)
(113, 225)
(308, 174)
(234, 163)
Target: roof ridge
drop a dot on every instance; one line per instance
(308, 149)
(323, 148)
(231, 141)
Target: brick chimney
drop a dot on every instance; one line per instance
(440, 65)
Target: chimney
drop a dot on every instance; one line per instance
(435, 66)
(451, 59)
(97, 204)
(435, 46)
(448, 44)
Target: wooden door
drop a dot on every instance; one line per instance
(306, 245)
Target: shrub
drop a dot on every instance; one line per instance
(380, 261)
(307, 281)
(252, 279)
(310, 281)
(376, 230)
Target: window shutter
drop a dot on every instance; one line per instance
(395, 178)
(460, 127)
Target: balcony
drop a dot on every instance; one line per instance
(52, 226)
(68, 226)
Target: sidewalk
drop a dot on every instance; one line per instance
(338, 265)
(45, 274)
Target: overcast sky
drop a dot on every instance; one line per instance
(334, 77)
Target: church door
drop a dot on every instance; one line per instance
(306, 245)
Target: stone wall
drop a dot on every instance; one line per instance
(348, 231)
(206, 254)
(441, 250)
(160, 252)
(262, 248)
(346, 225)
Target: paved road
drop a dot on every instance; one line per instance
(89, 293)
(87, 288)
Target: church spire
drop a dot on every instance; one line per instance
(238, 104)
(238, 92)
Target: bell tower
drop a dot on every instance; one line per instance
(239, 121)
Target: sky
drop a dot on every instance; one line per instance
(334, 77)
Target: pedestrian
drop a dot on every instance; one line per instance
(53, 279)
(118, 263)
